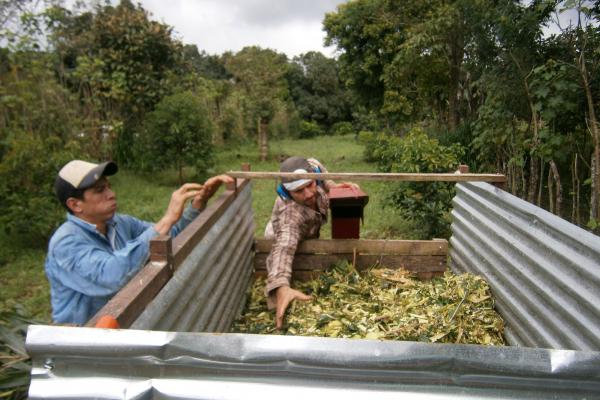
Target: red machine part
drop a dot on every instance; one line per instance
(347, 206)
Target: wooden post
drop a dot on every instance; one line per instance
(263, 140)
(131, 300)
(161, 250)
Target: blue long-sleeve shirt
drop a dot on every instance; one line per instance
(86, 268)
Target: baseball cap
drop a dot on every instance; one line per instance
(296, 165)
(78, 175)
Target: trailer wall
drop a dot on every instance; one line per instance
(207, 291)
(544, 272)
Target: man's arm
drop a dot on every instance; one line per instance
(329, 184)
(89, 268)
(175, 219)
(279, 264)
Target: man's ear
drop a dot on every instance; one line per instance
(74, 204)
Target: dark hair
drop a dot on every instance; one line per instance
(65, 190)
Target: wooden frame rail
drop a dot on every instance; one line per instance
(166, 255)
(406, 177)
(426, 258)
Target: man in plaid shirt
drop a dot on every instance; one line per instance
(298, 213)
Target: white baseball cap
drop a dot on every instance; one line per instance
(78, 174)
(296, 165)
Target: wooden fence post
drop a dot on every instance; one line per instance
(161, 250)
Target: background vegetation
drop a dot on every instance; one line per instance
(504, 86)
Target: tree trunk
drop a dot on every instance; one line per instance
(578, 49)
(535, 123)
(539, 198)
(558, 193)
(593, 127)
(575, 218)
(456, 57)
(263, 144)
(594, 189)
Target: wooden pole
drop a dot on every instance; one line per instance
(409, 177)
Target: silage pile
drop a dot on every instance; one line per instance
(383, 304)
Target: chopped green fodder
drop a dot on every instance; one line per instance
(383, 304)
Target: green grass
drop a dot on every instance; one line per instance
(22, 278)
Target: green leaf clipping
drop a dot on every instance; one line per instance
(383, 304)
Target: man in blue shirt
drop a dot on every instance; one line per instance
(96, 251)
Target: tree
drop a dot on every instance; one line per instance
(206, 65)
(118, 60)
(178, 133)
(316, 89)
(405, 59)
(260, 73)
(583, 39)
(426, 203)
(39, 128)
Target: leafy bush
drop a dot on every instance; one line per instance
(426, 203)
(29, 211)
(342, 128)
(15, 373)
(177, 134)
(309, 129)
(372, 142)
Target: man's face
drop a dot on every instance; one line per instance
(99, 202)
(307, 195)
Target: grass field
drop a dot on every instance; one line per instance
(24, 283)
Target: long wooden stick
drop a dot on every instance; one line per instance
(408, 177)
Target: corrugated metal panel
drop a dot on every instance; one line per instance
(544, 272)
(129, 364)
(209, 285)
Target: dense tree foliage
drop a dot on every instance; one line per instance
(118, 60)
(177, 133)
(489, 76)
(260, 74)
(426, 203)
(317, 91)
(107, 81)
(38, 133)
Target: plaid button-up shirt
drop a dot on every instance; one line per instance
(292, 222)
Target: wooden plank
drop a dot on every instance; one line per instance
(133, 298)
(185, 242)
(363, 246)
(353, 176)
(309, 262)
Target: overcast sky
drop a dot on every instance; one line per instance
(292, 27)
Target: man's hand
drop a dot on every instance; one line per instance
(209, 188)
(284, 295)
(175, 208)
(351, 185)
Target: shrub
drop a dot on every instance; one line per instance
(178, 133)
(342, 128)
(374, 143)
(309, 129)
(29, 211)
(426, 203)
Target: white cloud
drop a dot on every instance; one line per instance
(289, 26)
